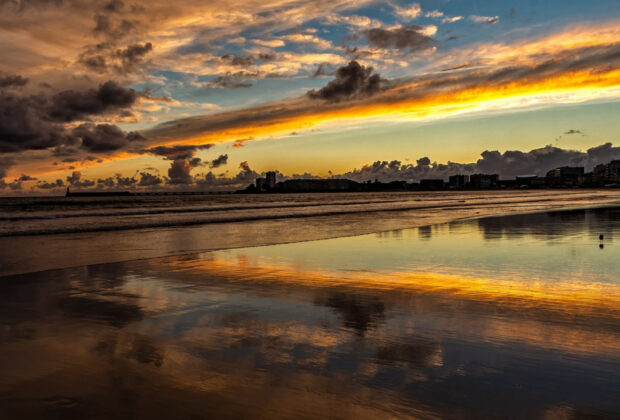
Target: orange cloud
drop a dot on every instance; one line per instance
(239, 142)
(568, 76)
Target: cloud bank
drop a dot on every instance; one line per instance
(507, 164)
(355, 92)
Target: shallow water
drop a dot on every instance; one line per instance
(504, 317)
(46, 233)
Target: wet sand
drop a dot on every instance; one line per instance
(502, 317)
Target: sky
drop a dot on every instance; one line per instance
(190, 94)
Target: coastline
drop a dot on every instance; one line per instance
(32, 253)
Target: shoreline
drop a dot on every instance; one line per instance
(177, 218)
(95, 258)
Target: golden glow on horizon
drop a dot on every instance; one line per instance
(417, 101)
(567, 88)
(581, 86)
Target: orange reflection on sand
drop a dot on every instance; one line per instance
(572, 316)
(570, 295)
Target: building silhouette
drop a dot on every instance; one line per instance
(483, 180)
(607, 175)
(270, 178)
(458, 181)
(569, 176)
(432, 184)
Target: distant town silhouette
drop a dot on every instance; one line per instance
(602, 176)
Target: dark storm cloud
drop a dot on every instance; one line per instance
(149, 180)
(35, 122)
(183, 160)
(233, 80)
(104, 137)
(539, 161)
(25, 125)
(135, 51)
(323, 69)
(12, 80)
(408, 37)
(267, 56)
(179, 172)
(236, 60)
(72, 105)
(75, 180)
(112, 27)
(14, 185)
(133, 55)
(50, 185)
(397, 171)
(509, 164)
(96, 63)
(108, 57)
(117, 181)
(25, 177)
(219, 161)
(107, 182)
(5, 163)
(125, 181)
(352, 81)
(600, 154)
(245, 176)
(248, 60)
(178, 151)
(62, 151)
(115, 6)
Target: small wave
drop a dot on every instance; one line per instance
(177, 210)
(145, 210)
(327, 210)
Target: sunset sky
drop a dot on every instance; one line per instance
(192, 94)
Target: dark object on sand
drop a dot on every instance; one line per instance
(601, 237)
(601, 246)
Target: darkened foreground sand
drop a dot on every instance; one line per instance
(104, 232)
(502, 317)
